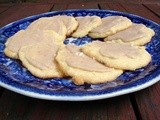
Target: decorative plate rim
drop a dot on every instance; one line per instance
(80, 98)
(77, 97)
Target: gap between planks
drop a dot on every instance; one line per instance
(155, 8)
(5, 7)
(142, 11)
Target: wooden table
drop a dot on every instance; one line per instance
(144, 104)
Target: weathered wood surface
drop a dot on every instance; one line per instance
(141, 11)
(18, 107)
(20, 11)
(144, 104)
(4, 7)
(83, 6)
(155, 8)
(81, 1)
(95, 1)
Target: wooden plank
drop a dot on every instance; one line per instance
(5, 1)
(151, 1)
(154, 8)
(83, 6)
(11, 109)
(148, 102)
(74, 6)
(20, 107)
(130, 1)
(115, 6)
(66, 110)
(22, 10)
(81, 1)
(96, 1)
(73, 1)
(58, 7)
(4, 7)
(138, 1)
(141, 11)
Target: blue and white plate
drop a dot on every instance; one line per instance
(15, 77)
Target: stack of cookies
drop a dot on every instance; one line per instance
(41, 50)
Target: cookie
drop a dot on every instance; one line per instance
(39, 59)
(70, 23)
(84, 69)
(49, 23)
(137, 34)
(86, 24)
(110, 25)
(118, 55)
(24, 38)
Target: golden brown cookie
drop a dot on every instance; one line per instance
(137, 34)
(84, 69)
(86, 24)
(70, 23)
(25, 38)
(39, 59)
(118, 55)
(110, 25)
(49, 23)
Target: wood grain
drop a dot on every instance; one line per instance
(148, 101)
(151, 1)
(130, 1)
(83, 6)
(155, 8)
(141, 11)
(59, 7)
(22, 10)
(95, 1)
(34, 109)
(75, 6)
(18, 107)
(81, 1)
(74, 1)
(4, 7)
(115, 6)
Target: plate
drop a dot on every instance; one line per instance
(16, 78)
